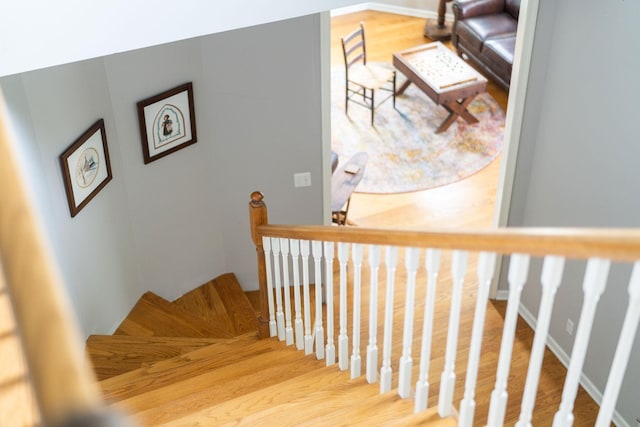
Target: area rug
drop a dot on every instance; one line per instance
(405, 153)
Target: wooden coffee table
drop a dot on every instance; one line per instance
(445, 77)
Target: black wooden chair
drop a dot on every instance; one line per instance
(362, 79)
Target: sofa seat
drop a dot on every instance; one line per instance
(475, 31)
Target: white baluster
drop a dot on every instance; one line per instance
(288, 330)
(308, 338)
(330, 351)
(595, 279)
(422, 385)
(623, 351)
(316, 249)
(372, 348)
(404, 380)
(448, 377)
(356, 363)
(551, 276)
(343, 339)
(295, 259)
(266, 245)
(391, 259)
(275, 244)
(486, 266)
(518, 271)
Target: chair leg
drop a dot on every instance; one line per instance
(373, 104)
(394, 89)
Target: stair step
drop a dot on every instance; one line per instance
(221, 301)
(154, 316)
(218, 387)
(258, 399)
(180, 368)
(113, 355)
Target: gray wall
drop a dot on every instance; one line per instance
(578, 158)
(175, 223)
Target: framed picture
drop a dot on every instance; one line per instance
(85, 167)
(167, 122)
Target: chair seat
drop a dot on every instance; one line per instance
(370, 76)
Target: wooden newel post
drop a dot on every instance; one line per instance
(258, 217)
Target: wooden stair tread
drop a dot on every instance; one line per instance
(113, 355)
(179, 368)
(217, 387)
(259, 399)
(155, 316)
(221, 301)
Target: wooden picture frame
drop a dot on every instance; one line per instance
(86, 167)
(167, 122)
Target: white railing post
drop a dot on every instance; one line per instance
(295, 259)
(422, 385)
(518, 271)
(356, 362)
(391, 259)
(406, 363)
(288, 330)
(330, 350)
(595, 279)
(343, 339)
(275, 244)
(448, 377)
(486, 265)
(266, 244)
(316, 249)
(308, 338)
(372, 348)
(623, 351)
(551, 277)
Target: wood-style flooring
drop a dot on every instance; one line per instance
(466, 203)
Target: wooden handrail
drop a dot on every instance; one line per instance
(63, 382)
(617, 244)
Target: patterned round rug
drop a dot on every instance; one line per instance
(405, 153)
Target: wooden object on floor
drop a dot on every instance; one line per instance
(438, 29)
(344, 181)
(443, 77)
(362, 79)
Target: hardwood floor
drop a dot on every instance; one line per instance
(467, 203)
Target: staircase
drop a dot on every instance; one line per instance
(198, 361)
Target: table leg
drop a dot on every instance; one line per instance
(404, 87)
(457, 109)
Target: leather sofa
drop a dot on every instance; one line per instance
(484, 31)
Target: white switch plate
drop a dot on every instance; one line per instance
(302, 179)
(570, 326)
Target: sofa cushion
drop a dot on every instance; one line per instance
(474, 31)
(499, 52)
(513, 8)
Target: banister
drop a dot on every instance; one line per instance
(64, 385)
(617, 244)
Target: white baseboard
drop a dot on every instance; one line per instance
(564, 358)
(383, 7)
(502, 295)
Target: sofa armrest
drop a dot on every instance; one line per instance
(463, 9)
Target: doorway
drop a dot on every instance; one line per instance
(467, 203)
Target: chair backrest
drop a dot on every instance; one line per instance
(354, 48)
